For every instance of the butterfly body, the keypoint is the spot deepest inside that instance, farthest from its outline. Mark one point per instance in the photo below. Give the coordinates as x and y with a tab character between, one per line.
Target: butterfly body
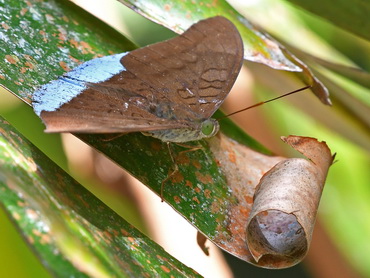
205	129
168	90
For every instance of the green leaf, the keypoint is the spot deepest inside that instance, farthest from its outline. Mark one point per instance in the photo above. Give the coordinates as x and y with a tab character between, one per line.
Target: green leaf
65	37
179	15
352	16
73	233
42	40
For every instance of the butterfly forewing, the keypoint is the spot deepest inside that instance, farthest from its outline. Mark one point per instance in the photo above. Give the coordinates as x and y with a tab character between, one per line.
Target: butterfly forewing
172	84
194	72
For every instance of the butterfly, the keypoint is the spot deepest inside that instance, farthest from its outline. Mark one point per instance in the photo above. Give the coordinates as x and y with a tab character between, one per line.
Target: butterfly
168	90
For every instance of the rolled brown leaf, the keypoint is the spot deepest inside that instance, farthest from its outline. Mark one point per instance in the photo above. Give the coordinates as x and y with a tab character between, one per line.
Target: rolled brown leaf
280	225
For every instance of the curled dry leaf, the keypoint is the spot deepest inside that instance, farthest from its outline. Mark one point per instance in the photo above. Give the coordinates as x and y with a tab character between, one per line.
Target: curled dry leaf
271	221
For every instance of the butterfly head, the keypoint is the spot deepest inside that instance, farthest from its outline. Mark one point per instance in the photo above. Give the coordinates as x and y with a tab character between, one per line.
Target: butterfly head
209	128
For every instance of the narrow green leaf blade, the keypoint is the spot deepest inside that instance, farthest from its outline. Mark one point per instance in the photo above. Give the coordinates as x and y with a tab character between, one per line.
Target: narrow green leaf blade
39	41
352	16
72	232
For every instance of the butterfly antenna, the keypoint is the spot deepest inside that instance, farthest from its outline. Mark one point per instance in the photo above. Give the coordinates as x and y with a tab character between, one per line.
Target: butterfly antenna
266	101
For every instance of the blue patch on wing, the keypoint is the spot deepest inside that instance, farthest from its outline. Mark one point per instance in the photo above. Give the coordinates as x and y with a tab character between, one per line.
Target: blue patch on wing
53	95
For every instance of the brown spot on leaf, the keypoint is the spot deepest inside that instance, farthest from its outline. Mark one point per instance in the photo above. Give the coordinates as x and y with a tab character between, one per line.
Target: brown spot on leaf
196	164
108	235
207	178
5	26
45	239
86	48
24	11
207	193
2	77
11	59
16	216
197	189
182	159
124	232
49	18
232	157
188	183
177	177
115	232
29	65
165	269
36	232
61	36
160	258
156	146
75	60
167	7
64	66
195	199
74	43
177	199
248	199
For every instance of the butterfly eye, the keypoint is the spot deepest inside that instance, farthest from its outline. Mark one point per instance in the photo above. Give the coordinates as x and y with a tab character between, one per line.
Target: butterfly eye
209	127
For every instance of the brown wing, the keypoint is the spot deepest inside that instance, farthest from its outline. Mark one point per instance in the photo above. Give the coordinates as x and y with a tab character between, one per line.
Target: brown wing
172	84
192	73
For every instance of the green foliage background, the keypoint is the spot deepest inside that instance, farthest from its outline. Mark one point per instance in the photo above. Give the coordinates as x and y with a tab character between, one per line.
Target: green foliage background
345	203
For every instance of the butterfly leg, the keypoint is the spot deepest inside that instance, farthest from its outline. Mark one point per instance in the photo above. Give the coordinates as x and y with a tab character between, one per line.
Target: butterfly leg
176	167
189	148
175	170
113	137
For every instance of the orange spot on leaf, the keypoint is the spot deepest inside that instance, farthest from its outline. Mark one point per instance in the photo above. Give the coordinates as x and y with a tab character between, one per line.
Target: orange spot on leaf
11	59
177	177
45	239
73	59
74	43
29	65
249	199
124	232
165	269
189	183
195	199
177	199
207	193
5	26
232	157
24	11
16	216
196	164
156	146
204	178
182	159
64	66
